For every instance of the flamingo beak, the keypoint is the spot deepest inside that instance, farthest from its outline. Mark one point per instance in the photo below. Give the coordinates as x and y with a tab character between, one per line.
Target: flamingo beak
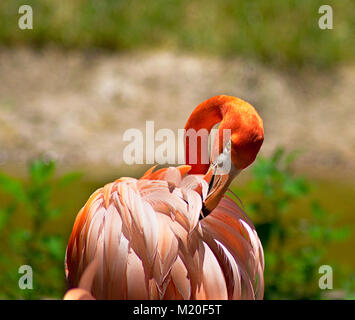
221	173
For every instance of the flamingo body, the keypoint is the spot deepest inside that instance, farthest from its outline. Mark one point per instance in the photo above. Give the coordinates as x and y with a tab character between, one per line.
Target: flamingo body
150	244
144	239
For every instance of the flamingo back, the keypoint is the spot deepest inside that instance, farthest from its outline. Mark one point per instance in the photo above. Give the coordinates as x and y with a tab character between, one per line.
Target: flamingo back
149	242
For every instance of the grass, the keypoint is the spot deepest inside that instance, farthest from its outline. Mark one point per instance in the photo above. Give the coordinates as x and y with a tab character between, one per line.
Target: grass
283	33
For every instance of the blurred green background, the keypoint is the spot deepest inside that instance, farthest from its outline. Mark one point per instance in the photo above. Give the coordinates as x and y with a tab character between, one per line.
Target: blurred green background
280	32
91	69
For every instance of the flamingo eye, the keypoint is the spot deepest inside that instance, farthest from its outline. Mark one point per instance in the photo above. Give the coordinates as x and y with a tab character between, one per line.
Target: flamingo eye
223	161
228	145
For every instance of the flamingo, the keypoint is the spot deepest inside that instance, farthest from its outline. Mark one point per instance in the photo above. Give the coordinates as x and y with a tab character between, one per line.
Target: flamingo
174	233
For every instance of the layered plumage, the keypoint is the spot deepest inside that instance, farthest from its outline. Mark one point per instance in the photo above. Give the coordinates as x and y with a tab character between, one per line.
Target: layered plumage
148	239
150	244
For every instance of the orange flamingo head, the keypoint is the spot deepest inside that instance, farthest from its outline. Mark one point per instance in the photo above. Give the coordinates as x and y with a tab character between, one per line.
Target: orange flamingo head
240	119
247	132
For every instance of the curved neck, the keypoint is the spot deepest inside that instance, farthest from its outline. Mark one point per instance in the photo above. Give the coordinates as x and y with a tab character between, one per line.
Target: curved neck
205	116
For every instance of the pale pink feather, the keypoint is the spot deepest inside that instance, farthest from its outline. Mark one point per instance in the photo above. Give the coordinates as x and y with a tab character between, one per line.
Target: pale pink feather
149	243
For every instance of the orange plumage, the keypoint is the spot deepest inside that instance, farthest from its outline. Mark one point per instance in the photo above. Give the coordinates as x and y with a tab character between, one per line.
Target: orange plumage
144	239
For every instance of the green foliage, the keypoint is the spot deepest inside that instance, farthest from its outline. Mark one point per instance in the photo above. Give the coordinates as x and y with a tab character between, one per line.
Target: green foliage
28	243
273	31
295	230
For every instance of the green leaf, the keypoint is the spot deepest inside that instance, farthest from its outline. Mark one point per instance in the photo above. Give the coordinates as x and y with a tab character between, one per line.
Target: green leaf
54	246
341	234
19	237
54	213
295	187
317	211
276	157
13	187
5	215
291	157
69	178
41	171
